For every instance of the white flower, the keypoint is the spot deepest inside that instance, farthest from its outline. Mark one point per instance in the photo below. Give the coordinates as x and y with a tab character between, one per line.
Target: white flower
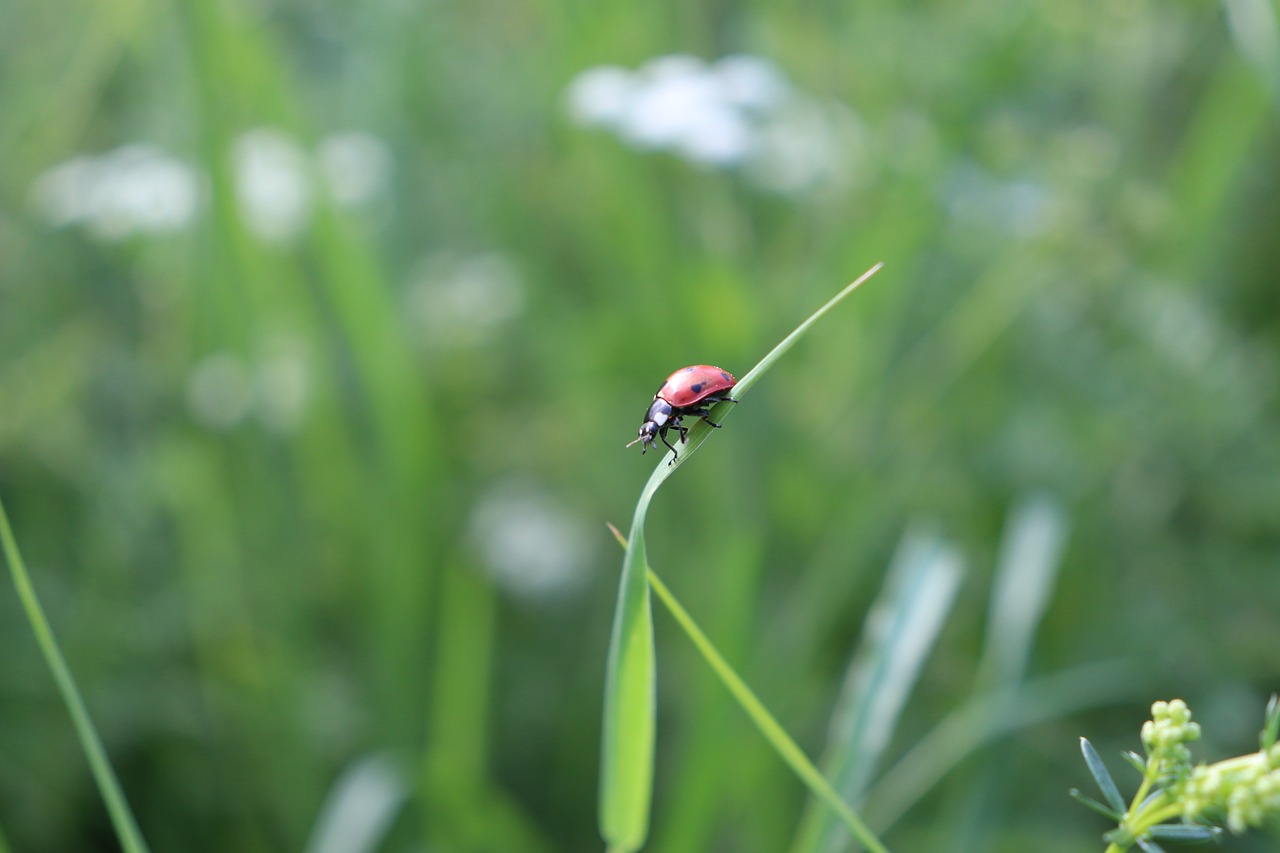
805	144
739	112
600	97
355	164
135	189
751	83
224	389
219	390
530	544
272	186
463	301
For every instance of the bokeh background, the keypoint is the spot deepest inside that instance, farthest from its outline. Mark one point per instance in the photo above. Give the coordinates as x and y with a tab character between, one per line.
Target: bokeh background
322	326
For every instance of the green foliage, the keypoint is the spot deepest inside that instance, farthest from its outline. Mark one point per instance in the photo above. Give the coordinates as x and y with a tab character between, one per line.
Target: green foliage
311	475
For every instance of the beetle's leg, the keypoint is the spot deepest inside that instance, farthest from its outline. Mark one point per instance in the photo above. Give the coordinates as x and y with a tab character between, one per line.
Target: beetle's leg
662	433
703	412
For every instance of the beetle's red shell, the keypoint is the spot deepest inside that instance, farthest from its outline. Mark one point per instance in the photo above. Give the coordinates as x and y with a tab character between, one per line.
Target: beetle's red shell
689	385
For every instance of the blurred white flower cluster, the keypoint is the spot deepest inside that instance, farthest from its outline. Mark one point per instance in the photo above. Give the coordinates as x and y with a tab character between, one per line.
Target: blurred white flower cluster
135	189
530	544
224	390
458	301
739	112
275	177
140	190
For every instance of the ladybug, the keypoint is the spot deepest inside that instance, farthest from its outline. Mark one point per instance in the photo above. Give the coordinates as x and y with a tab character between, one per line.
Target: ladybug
688	391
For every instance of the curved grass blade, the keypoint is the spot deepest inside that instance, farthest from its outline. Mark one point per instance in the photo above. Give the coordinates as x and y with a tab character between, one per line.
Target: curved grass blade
126	828
628	731
901	628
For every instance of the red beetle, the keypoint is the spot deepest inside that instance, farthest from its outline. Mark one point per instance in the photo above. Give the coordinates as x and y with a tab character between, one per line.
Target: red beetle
689	391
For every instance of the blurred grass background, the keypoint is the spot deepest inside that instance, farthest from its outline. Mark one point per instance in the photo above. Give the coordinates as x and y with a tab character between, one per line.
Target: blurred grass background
312	407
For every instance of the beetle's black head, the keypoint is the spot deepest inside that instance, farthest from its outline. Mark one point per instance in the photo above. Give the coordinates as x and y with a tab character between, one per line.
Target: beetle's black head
659	413
648	436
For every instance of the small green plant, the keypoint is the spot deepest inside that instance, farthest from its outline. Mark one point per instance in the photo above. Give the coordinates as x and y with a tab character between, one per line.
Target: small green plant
1182	802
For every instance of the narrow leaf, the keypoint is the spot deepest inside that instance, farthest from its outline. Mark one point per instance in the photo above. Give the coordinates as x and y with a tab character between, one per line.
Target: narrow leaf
1137	762
1185	832
1091	803
1149	846
1102	776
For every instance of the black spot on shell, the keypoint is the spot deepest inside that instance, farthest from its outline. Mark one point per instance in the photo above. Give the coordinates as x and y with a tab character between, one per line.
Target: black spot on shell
696	388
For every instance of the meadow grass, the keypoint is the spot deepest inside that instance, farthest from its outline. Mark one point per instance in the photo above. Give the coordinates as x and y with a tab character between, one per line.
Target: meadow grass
316	513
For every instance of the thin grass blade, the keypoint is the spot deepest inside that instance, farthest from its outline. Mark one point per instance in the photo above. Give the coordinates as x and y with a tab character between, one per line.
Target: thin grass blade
126	828
773	732
900	631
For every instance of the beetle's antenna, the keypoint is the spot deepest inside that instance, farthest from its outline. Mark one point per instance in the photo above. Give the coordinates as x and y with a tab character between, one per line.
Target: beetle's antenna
633	441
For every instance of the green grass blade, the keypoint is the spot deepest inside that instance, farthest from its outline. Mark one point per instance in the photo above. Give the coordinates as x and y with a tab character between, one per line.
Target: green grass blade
1030	557
777	737
626	756
628	730
745	383
901	629
121	817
